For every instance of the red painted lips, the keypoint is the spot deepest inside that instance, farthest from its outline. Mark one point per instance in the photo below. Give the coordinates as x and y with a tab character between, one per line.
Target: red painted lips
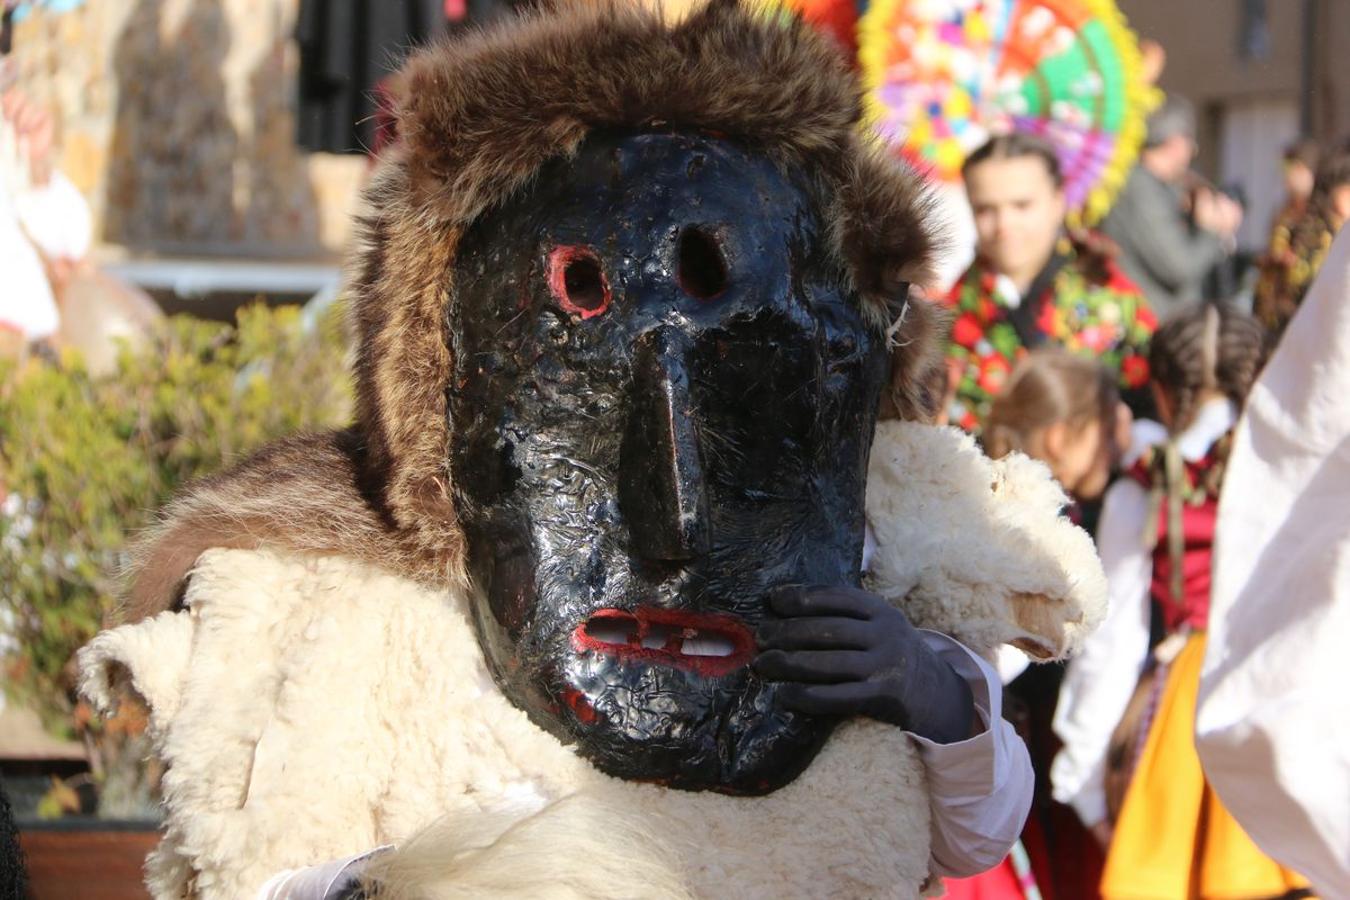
710	644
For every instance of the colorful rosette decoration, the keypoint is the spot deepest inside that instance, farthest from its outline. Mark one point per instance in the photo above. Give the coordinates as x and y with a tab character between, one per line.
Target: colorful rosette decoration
945	75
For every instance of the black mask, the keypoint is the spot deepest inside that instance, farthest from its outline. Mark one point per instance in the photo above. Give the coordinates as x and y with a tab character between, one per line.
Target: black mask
663	398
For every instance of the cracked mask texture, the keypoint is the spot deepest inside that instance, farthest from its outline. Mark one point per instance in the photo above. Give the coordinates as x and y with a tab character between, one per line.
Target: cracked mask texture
663	398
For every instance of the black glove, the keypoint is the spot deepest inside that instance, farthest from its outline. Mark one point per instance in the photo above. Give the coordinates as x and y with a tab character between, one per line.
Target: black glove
844	652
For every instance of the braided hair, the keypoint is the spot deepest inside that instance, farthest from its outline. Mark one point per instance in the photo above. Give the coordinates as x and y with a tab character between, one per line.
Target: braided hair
1211	348
1017	145
1094	251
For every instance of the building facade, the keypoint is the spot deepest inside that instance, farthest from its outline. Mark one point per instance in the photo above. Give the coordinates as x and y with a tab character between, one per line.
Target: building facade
1261	73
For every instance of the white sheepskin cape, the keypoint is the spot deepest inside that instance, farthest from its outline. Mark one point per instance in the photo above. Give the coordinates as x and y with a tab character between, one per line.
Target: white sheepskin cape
309	708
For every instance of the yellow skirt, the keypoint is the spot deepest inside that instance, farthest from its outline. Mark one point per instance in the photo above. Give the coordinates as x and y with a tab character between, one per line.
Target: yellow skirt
1174	840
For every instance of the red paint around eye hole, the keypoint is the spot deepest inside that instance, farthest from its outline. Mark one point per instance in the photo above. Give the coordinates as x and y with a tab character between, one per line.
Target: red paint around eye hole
577	281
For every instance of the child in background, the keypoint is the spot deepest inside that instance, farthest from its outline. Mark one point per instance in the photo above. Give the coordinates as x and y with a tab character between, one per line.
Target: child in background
1168	835
1065	410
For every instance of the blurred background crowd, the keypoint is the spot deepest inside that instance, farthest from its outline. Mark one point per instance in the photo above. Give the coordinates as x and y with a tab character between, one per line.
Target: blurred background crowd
176	182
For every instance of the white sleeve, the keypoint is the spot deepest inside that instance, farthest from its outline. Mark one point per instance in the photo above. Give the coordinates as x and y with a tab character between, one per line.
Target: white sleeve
56	217
1099	683
980	788
321	882
1273	723
1010	663
26	301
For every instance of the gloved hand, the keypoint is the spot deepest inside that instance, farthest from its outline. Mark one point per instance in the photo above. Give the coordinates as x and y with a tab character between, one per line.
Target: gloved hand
841	651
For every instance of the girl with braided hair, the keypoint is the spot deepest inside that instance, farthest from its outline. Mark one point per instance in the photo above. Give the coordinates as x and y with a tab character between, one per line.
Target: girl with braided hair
1129	765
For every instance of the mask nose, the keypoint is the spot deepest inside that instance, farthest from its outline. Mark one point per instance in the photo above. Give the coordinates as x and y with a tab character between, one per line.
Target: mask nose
661	487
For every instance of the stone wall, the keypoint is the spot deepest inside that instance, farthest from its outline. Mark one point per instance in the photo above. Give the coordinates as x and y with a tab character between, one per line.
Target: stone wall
177	121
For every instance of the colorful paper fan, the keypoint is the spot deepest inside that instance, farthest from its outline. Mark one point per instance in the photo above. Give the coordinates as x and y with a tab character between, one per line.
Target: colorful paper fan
944	75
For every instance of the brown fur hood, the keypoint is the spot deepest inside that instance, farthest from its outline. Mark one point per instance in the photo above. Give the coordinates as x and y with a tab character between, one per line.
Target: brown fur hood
479	116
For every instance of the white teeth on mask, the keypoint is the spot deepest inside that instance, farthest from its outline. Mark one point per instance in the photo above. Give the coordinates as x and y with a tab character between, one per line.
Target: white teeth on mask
708	645
690	641
609	631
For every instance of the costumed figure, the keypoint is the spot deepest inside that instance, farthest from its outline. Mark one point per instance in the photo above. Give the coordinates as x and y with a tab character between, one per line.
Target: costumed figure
1035	283
575	608
1129	765
1300	175
1299	247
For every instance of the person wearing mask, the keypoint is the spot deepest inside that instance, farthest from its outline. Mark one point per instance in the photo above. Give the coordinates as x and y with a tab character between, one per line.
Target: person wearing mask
1034	282
1166	248
1129	765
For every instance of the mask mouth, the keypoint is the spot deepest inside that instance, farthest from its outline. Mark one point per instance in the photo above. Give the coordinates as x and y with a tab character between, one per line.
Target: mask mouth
710	644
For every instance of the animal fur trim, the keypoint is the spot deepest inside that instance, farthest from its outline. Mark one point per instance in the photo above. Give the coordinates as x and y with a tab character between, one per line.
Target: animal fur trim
478	116
575	849
918	380
305	495
311	708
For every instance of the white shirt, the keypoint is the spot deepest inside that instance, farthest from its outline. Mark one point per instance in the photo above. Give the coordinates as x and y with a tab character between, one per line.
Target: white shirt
1098	683
26	302
980	792
1273	722
980	789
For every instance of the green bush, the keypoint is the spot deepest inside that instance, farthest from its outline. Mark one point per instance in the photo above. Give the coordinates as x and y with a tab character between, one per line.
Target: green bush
85	462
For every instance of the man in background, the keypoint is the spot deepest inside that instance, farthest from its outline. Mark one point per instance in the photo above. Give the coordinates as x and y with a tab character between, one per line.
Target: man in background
1170	237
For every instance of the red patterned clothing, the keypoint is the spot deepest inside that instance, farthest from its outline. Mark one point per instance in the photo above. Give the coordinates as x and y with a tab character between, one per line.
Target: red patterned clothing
1199	493
1087	308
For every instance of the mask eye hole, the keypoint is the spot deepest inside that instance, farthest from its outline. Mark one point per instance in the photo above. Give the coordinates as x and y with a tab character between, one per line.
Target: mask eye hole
577	281
702	269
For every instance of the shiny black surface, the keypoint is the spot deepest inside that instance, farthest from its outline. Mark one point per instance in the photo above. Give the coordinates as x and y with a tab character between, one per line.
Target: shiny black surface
663	400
